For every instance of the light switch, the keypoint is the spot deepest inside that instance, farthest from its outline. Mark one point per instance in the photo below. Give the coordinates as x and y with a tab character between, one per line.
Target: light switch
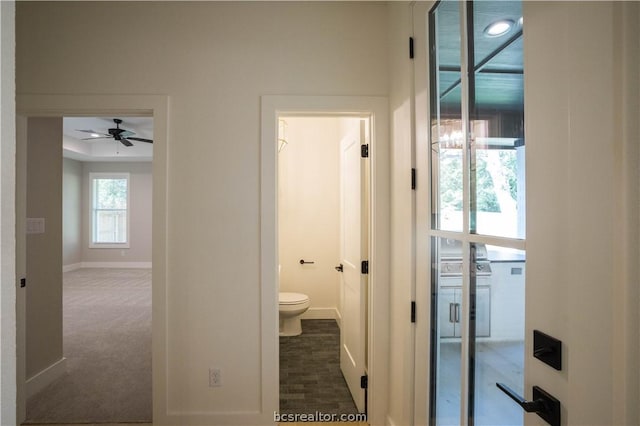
35	225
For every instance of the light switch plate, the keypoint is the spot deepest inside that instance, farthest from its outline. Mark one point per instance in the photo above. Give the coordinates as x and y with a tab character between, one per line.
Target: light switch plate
35	225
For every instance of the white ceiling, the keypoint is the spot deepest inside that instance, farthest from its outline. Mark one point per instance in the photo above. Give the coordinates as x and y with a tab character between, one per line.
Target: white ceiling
106	149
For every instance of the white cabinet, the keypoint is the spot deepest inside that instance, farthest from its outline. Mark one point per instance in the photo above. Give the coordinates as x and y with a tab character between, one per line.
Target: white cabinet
450	311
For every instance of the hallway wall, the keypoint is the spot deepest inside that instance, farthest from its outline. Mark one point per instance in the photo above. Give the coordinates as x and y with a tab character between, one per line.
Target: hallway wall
213	60
401	368
71	212
309	212
44	253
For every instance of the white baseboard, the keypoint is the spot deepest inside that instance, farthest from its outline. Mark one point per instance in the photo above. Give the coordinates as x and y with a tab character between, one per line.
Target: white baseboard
47	376
130	265
390	422
71	267
338	318
319	313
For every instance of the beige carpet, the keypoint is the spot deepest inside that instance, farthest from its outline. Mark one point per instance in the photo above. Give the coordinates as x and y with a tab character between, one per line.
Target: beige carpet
107	343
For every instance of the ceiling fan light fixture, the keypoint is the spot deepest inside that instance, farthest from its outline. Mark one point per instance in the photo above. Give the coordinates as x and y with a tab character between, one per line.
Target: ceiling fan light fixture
498	28
95	135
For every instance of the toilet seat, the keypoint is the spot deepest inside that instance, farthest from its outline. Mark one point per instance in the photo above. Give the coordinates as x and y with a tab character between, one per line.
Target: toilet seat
292	298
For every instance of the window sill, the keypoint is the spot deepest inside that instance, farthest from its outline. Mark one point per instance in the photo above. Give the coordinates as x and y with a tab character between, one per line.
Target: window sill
109	245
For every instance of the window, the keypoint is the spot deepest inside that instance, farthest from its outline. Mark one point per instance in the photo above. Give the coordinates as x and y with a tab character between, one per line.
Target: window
109	210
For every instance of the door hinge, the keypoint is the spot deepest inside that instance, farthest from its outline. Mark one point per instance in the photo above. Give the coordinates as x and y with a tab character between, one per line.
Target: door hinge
364	267
410	47
23	282
413	311
364	382
364	151
413	178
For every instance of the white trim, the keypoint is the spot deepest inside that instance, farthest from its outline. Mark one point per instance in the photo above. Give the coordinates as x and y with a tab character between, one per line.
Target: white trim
378	351
422	357
92	220
44	378
320	313
8	305
390	421
123	265
157	106
71	267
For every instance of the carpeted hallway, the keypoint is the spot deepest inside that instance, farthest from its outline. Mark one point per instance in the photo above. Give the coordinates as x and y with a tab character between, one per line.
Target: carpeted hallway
107	343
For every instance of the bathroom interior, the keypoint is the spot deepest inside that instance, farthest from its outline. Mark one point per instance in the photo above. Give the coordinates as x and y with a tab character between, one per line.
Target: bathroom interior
310	307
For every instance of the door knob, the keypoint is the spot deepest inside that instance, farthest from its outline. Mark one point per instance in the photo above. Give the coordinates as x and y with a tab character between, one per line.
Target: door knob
543	404
339	268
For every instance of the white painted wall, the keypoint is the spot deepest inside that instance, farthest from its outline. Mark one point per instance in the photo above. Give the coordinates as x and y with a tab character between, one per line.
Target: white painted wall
7	215
77	219
71	212
44	253
140	219
214	60
309	211
402	258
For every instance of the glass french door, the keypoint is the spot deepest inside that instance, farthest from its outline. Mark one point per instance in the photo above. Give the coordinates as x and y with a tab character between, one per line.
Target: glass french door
477	232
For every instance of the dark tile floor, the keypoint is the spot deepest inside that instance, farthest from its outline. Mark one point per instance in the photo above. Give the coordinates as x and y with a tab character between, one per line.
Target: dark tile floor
310	376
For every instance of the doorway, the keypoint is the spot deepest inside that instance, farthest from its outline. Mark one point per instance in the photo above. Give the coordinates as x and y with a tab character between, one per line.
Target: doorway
274	107
322	238
101	308
56	107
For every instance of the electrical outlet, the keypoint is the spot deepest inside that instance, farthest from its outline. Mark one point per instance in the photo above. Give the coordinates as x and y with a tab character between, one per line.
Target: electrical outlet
215	378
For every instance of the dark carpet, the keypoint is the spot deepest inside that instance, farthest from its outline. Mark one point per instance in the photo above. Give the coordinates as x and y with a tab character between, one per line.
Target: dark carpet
310	376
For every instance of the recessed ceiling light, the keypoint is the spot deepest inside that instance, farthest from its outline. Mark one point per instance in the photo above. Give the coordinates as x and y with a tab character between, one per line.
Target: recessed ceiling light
498	28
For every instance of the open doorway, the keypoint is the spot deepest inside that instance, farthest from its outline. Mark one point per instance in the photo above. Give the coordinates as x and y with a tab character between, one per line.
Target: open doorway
98	368
322	240
377	338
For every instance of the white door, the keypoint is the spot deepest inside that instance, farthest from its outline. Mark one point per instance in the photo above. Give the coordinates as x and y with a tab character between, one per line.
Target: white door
353	250
581	213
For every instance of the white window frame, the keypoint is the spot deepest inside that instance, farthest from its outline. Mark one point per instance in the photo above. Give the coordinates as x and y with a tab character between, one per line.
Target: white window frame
92	178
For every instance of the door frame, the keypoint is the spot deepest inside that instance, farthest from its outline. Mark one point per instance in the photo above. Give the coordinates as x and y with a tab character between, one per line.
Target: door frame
156	106
379	229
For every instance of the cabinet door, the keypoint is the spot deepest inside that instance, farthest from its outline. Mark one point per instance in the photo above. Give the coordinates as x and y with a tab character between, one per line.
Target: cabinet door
446	312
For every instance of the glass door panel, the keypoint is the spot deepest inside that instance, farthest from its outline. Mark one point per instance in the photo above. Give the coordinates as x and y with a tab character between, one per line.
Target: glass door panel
446	118
496	111
477	173
446	343
497	352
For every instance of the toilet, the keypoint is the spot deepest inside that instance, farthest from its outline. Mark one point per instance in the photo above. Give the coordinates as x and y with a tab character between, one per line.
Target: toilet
291	306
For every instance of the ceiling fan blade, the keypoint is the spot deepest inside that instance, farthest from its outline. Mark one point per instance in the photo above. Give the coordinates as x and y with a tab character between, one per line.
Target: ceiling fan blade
99	137
141	140
126	142
94	132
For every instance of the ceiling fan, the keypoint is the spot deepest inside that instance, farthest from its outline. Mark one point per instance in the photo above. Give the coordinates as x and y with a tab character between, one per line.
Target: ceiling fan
123	136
